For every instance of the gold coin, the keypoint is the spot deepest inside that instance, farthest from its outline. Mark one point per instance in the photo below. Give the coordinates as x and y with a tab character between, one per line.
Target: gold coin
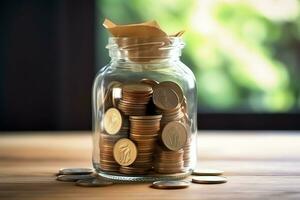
170	184
125	152
165	98
207	172
175	87
209	179
112	121
174	135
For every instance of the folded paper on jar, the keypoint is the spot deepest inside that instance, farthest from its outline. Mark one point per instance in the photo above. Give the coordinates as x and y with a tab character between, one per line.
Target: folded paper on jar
146	29
141	42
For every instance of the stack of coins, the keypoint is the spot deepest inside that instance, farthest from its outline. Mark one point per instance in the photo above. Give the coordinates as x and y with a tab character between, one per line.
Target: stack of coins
107	142
169	162
144	132
131	170
125	127
187	152
125	153
170	157
169	116
146	127
116	127
135	98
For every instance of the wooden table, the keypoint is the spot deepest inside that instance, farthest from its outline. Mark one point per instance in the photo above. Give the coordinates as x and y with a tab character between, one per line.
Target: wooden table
259	165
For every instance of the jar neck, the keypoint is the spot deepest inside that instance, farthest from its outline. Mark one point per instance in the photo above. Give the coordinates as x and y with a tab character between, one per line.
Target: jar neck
145	50
126	60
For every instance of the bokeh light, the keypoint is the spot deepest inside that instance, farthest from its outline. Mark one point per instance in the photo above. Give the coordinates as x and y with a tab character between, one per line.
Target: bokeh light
244	53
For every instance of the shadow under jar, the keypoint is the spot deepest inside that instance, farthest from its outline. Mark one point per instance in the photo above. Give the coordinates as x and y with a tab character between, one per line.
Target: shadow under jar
144	112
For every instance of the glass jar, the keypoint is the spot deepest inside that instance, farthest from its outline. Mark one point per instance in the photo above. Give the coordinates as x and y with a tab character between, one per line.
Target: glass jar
144	112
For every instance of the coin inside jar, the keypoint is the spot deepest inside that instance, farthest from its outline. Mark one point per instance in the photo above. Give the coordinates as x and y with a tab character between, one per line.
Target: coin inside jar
174	135
125	152
112	121
153	137
150	82
165	98
175	87
170	184
137	88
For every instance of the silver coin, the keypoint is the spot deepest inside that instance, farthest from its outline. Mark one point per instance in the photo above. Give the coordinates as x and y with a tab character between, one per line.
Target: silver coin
209	179
75	171
95	182
74	178
170	184
207	172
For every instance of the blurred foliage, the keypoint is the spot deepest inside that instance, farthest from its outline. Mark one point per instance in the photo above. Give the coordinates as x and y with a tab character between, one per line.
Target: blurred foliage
245	54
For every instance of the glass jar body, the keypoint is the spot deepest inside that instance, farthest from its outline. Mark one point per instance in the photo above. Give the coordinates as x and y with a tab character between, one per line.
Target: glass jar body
108	93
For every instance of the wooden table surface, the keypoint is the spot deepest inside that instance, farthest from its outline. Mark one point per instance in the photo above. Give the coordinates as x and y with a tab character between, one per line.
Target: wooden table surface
258	165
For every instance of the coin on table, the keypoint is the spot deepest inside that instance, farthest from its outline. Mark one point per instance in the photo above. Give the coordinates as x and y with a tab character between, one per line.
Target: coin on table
125	152
73	178
174	135
175	87
112	121
95	182
209	179
165	98
170	184
75	171
207	172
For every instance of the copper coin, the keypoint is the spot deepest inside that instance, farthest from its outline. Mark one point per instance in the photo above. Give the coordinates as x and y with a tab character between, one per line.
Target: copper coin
154	117
175	87
165	98
174	135
150	82
137	88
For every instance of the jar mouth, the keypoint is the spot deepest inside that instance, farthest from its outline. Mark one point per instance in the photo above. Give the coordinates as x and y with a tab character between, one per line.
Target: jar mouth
135	48
134	42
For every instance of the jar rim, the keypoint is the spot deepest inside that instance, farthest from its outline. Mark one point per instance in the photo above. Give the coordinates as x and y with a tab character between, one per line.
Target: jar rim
168	42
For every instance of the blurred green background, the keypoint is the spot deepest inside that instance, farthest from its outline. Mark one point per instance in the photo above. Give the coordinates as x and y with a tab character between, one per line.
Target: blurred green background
245	54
